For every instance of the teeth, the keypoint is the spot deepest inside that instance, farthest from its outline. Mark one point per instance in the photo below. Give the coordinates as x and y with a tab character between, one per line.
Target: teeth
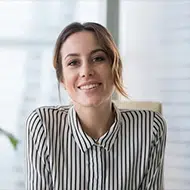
90	86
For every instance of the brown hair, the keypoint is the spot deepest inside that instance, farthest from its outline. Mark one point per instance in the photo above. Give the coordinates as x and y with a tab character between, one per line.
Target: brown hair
106	42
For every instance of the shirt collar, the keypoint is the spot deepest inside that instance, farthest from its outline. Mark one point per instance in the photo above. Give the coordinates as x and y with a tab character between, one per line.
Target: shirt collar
84	141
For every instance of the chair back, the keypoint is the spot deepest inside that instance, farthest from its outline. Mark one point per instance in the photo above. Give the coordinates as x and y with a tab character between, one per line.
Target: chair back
139	105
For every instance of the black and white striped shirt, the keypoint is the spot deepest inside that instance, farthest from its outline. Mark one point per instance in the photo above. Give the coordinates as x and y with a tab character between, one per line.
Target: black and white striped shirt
60	156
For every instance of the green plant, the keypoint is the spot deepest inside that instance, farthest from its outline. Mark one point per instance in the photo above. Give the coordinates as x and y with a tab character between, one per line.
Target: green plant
13	140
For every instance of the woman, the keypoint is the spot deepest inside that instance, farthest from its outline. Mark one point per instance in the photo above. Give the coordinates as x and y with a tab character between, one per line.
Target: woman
93	144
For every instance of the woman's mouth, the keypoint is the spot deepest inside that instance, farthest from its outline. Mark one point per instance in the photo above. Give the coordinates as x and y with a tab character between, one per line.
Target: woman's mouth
89	86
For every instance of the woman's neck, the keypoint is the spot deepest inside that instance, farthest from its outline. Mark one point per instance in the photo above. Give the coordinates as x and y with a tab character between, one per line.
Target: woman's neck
95	121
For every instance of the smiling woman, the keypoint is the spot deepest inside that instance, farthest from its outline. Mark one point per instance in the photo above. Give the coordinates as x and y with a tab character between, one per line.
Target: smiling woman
100	38
93	144
88	79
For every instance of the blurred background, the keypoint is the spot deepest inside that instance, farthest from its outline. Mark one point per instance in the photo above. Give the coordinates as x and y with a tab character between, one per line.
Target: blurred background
154	41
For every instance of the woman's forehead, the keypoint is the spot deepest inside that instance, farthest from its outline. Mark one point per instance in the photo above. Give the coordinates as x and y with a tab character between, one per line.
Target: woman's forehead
80	42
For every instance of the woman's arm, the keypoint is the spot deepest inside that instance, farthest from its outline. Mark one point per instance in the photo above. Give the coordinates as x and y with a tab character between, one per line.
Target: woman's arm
38	172
154	175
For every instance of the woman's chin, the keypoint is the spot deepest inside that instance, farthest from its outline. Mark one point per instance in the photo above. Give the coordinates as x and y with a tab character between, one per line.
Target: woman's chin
92	102
89	102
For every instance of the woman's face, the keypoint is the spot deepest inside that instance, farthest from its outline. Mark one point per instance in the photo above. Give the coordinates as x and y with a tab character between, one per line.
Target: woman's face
87	75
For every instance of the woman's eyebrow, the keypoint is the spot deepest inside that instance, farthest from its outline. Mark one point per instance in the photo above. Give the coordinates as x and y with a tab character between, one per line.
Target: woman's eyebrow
72	55
77	54
96	50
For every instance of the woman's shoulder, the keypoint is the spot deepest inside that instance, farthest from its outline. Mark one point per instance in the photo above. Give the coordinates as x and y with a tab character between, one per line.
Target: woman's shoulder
145	115
137	113
48	112
46	118
61	109
155	120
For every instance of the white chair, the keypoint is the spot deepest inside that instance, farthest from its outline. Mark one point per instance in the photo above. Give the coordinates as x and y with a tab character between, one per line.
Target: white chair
145	105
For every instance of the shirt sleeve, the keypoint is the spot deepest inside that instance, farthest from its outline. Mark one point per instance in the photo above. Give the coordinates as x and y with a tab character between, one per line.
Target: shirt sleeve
37	174
154	175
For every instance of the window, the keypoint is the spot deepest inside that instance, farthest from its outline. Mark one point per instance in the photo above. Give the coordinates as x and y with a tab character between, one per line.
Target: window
155	47
27	78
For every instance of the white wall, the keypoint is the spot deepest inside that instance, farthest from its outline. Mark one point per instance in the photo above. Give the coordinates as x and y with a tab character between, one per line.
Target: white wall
155	46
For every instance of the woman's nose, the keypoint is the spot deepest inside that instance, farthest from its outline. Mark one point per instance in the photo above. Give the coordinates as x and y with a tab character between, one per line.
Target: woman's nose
86	69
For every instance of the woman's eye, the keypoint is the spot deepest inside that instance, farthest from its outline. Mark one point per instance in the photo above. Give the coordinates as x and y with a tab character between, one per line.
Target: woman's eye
98	59
72	63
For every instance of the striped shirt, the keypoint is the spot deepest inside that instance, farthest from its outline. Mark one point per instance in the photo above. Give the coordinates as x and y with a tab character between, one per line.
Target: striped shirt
61	156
